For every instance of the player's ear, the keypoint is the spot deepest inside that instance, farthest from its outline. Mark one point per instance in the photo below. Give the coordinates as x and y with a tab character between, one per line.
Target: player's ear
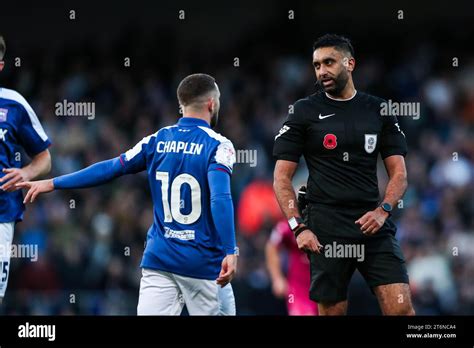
2	65
210	105
349	63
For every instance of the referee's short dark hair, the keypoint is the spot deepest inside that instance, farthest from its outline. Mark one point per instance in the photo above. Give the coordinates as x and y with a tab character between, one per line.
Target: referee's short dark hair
3	47
194	87
341	43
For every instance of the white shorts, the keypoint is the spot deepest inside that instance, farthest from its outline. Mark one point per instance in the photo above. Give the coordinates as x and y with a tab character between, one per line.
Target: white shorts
164	293
6	240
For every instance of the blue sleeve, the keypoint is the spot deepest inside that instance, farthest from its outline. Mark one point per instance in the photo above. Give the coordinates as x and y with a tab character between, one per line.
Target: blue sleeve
222	208
223	156
30	132
134	160
96	174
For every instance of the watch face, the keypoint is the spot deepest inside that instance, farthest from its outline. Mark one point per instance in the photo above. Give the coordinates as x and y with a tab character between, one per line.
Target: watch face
387	207
293	223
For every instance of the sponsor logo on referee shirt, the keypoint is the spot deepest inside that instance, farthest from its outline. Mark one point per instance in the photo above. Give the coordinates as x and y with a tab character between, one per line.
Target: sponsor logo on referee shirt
322	117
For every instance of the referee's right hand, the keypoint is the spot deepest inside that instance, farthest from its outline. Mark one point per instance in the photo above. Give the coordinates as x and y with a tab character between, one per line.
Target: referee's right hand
307	241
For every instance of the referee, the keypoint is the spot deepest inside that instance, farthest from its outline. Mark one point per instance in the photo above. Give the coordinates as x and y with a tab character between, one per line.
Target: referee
340	132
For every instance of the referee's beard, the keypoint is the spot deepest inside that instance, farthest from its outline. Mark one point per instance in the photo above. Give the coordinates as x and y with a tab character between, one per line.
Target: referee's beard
340	82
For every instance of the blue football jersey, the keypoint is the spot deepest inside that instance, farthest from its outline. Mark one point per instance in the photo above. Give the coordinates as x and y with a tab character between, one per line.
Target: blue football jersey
19	128
183	238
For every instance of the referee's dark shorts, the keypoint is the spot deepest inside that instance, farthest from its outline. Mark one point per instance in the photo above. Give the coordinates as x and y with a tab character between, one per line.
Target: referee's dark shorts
381	263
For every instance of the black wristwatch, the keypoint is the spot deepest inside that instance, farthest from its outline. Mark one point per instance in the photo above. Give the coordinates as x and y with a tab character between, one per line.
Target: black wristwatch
387	207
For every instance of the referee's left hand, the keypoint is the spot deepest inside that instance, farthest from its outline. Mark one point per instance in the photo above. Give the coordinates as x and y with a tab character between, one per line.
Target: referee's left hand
308	242
372	221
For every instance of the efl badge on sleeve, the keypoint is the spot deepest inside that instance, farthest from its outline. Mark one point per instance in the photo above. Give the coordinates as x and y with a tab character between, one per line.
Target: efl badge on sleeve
370	142
3	115
330	141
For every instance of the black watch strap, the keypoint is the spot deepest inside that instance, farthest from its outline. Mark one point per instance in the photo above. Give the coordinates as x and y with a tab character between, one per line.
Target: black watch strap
387	207
299	230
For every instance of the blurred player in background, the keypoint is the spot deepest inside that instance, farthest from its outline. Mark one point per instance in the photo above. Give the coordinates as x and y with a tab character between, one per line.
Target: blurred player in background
295	286
190	255
19	129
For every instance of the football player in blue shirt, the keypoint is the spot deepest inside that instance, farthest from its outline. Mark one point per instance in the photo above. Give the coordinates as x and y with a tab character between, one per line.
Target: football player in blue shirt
190	255
19	128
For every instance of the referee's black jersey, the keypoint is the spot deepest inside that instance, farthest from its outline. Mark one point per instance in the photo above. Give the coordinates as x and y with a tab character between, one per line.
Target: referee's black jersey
340	141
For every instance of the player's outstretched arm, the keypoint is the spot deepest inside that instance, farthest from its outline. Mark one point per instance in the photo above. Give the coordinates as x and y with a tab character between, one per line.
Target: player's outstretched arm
40	165
94	175
35	188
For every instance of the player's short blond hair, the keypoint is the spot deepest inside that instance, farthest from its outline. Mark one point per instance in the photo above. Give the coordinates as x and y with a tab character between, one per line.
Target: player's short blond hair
3	47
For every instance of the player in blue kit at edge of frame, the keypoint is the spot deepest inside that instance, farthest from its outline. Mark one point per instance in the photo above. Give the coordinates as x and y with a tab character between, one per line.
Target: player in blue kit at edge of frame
20	128
190	255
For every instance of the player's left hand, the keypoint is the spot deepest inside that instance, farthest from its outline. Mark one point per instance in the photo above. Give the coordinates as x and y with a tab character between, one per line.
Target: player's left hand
229	267
13	176
372	221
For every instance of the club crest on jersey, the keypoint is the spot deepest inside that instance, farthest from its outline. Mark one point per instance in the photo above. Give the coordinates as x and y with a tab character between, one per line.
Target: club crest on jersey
370	142
3	115
330	141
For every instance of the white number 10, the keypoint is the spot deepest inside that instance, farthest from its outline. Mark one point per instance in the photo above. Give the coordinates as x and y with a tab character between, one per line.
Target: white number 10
175	211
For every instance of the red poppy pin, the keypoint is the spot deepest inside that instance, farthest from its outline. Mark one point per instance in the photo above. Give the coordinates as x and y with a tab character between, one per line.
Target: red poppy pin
330	141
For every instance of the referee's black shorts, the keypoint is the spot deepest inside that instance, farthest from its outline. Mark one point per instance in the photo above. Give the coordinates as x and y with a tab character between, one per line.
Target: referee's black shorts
345	248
